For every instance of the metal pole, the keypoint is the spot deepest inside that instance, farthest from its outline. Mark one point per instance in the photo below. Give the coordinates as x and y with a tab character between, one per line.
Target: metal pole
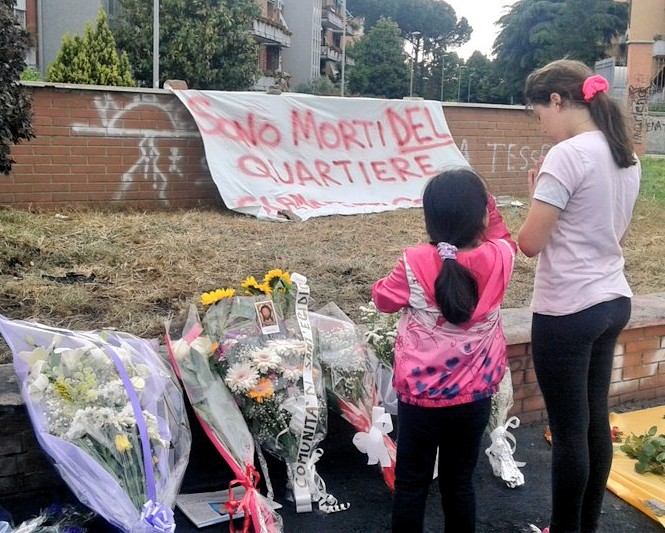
443	65
411	82
343	46
459	81
468	90
155	44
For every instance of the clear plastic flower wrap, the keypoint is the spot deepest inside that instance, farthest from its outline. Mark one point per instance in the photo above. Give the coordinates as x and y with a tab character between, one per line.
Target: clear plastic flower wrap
264	353
108	411
349	373
222	422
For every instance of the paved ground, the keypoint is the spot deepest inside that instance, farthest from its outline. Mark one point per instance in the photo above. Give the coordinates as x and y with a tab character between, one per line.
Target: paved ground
343	468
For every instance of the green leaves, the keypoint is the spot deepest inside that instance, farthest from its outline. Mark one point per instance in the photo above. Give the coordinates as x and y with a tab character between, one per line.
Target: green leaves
648	450
15	114
207	43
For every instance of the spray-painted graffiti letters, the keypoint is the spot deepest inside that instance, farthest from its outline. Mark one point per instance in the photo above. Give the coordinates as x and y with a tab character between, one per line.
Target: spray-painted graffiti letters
151	164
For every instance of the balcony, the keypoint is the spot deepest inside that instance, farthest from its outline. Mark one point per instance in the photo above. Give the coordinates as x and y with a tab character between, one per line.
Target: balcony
331	53
269	32
330	20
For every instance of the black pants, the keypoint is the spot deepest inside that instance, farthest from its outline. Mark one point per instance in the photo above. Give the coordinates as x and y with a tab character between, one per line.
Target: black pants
457	431
572	356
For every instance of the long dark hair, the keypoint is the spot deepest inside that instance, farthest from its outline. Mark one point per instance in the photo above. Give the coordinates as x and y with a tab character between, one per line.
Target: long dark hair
567	77
455	204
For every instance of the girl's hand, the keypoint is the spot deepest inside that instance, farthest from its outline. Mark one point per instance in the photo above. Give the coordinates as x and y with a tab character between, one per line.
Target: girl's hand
532	175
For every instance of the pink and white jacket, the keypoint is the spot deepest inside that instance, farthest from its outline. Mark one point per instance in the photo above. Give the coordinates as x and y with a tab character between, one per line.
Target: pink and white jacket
438	364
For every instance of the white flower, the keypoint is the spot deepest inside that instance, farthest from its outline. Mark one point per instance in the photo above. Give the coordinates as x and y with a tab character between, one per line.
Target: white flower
241	377
202	345
265	360
138	383
38	386
180	349
291	373
71	359
38	354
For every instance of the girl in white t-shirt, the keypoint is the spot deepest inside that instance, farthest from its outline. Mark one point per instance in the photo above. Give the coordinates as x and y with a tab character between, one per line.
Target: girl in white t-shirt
583	192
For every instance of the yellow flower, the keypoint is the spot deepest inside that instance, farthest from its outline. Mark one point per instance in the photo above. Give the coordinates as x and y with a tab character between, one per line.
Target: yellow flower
252	286
209	298
122	443
262	390
63	389
278	280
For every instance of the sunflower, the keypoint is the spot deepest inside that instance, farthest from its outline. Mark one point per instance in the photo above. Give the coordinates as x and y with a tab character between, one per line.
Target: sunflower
278	280
252	286
209	298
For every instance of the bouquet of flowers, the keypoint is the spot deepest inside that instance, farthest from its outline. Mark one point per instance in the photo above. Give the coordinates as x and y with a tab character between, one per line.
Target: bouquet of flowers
348	369
381	332
264	354
108	411
222	421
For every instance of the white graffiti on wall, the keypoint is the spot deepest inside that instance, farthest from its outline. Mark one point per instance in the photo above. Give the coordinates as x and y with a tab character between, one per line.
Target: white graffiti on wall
509	156
150	165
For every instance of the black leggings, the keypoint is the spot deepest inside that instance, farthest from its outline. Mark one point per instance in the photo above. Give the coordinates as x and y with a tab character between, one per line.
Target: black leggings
572	355
457	431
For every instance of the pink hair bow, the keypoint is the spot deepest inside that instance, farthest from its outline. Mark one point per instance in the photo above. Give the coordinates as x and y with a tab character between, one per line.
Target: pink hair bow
594	84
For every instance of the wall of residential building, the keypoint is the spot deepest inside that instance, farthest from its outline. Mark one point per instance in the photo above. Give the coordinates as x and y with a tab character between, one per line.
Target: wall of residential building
647	21
302	59
141	148
59	17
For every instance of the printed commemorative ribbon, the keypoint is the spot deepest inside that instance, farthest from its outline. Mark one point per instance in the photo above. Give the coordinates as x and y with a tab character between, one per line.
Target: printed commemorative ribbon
301	490
159	517
372	442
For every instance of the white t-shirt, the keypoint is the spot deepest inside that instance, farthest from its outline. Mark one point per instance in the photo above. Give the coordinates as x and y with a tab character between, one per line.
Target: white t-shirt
582	263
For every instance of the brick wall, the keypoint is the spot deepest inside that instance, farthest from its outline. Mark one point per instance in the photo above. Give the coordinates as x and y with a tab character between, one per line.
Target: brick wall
101	146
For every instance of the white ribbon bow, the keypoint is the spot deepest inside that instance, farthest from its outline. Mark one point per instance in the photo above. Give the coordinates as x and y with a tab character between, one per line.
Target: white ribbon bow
372	442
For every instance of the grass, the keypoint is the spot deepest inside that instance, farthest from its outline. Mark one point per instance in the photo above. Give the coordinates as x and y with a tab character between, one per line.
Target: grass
85	269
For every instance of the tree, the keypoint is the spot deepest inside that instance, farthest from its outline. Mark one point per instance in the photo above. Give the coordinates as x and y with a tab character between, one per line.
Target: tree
534	32
91	59
15	113
207	43
430	26
380	62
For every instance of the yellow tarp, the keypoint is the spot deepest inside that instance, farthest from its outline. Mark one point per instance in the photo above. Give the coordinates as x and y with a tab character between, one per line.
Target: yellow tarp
643	491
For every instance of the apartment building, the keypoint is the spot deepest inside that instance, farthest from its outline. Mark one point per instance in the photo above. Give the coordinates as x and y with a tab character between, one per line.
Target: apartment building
273	36
320	28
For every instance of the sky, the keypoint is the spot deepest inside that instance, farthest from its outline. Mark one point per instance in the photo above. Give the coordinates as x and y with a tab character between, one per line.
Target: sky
481	14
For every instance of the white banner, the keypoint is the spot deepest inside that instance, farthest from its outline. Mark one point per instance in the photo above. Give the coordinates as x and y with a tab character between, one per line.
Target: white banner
299	156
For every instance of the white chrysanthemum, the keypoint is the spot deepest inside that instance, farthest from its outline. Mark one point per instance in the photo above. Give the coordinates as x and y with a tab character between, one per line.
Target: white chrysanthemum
38	354
265	360
291	373
241	377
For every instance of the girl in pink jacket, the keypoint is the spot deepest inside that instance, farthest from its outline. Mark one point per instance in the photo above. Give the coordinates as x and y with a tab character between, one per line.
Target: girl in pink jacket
450	351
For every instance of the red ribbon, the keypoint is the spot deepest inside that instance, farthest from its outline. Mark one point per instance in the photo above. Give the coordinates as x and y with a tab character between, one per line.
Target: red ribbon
251	482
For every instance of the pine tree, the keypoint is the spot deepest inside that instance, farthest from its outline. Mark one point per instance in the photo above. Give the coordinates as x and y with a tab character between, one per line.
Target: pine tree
92	59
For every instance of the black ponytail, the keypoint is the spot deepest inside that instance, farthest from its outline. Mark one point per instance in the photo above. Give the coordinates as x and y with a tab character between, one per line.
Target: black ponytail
455	204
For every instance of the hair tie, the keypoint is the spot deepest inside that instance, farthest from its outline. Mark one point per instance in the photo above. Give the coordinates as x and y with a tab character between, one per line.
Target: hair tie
593	85
446	251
